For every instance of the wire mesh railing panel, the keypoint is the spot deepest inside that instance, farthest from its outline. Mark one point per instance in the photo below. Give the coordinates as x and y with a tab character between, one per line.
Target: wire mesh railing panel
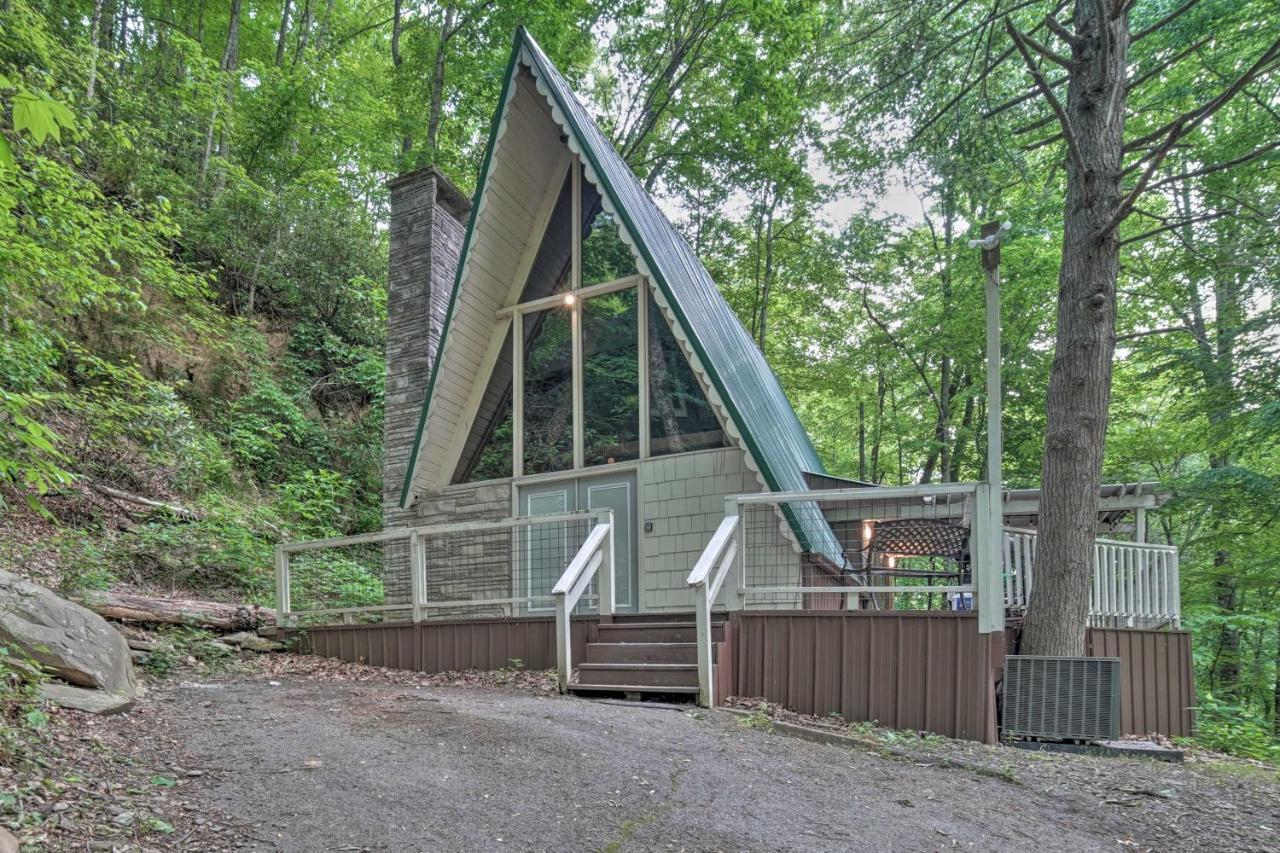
886	549
349	582
505	571
472	570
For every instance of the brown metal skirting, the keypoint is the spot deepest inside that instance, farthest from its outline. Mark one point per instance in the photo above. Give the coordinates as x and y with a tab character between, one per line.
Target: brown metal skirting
1157	678
446	646
927	671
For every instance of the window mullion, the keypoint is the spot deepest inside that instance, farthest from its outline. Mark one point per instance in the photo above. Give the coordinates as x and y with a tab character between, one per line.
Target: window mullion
642	353
517	394
575	284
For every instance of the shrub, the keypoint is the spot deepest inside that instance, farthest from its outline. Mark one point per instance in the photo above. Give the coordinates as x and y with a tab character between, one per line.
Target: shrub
1235	730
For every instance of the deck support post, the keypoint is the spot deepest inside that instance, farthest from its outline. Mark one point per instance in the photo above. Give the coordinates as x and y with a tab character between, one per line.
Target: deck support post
564	643
283	593
702	616
417	576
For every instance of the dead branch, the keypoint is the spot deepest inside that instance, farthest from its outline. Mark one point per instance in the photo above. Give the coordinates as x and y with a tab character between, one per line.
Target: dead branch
127	497
1068	133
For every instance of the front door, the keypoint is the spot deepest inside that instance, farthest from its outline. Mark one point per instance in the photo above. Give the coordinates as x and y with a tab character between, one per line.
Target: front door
547	559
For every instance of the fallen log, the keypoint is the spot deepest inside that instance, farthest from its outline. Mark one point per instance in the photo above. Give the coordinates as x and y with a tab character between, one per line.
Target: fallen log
138	500
130	607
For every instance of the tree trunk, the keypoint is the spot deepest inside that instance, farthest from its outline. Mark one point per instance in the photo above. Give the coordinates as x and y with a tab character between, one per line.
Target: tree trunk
1225	675
397	29
862	441
1080	379
94	31
437	80
128	607
1275	689
230	58
879	431
304	32
283	36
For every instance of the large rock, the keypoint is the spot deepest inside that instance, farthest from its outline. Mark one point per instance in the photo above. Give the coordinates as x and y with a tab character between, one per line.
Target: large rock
75	643
84	699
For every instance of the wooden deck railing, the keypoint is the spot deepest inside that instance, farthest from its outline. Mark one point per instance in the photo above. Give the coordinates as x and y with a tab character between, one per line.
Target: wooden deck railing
1135	584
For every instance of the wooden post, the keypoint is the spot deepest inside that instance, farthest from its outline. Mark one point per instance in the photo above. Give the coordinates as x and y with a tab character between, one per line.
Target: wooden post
417	576
605	585
988	520
575	313
283	593
702	610
991	232
564	643
984	550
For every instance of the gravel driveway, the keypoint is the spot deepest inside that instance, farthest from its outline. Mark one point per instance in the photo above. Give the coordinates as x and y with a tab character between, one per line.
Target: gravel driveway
309	766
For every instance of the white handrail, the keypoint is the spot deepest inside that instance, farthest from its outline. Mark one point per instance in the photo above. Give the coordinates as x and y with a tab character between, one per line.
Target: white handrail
595	557
706	578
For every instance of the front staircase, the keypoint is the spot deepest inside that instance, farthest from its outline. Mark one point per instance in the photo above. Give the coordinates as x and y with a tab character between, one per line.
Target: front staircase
642	656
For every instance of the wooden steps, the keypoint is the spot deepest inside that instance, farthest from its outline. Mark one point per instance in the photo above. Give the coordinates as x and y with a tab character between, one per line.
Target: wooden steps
647	656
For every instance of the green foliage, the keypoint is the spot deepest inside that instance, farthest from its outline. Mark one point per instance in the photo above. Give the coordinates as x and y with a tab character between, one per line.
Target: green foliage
177	647
20	714
1235	730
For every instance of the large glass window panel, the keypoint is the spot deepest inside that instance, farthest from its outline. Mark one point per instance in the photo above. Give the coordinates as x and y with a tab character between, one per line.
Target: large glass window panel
611	378
604	256
680	418
548	391
486	455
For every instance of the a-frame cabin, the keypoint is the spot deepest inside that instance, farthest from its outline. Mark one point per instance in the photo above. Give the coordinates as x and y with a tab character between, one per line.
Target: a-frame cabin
633	386
588	465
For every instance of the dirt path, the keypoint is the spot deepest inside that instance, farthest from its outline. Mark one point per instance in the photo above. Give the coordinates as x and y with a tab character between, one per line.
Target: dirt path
310	766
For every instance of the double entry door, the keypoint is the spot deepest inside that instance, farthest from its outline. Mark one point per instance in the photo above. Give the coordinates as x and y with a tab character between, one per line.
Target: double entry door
551	546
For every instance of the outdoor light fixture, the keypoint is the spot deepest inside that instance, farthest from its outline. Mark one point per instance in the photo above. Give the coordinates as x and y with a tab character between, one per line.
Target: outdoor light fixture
569	299
990	241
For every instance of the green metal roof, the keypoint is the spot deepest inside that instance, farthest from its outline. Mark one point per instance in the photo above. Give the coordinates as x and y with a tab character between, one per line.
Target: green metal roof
748	387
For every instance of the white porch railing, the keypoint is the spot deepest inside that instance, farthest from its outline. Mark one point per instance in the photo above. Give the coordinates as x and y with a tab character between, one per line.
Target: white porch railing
593	560
1134	583
480	569
847	549
708	575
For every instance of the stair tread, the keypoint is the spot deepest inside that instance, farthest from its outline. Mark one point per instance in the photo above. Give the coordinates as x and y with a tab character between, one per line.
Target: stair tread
638	666
631	688
657	644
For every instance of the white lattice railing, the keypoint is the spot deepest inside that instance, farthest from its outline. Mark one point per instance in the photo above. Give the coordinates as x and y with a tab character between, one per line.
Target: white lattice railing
1134	583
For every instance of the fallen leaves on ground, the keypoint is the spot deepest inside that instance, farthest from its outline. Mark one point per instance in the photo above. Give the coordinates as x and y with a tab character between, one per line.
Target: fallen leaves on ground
84	784
328	669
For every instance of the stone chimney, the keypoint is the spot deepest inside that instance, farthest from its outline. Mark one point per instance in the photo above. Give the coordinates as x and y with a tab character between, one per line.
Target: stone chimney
428	221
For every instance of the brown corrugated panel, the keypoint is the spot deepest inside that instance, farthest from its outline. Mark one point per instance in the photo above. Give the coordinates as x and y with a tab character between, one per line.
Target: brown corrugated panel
922	671
1157	682
447	645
